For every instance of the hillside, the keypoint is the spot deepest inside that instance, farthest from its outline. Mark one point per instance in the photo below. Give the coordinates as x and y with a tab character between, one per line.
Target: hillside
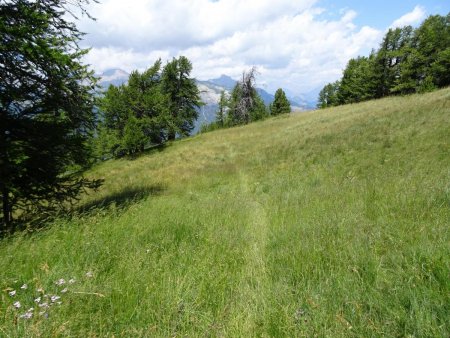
328	223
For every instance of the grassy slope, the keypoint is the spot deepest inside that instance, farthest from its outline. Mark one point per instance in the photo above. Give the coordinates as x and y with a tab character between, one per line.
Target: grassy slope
331	223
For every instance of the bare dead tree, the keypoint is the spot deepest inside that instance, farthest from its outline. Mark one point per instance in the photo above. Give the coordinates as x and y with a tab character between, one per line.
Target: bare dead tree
246	102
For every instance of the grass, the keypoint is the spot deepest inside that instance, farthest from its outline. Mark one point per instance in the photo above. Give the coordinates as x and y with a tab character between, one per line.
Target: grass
332	223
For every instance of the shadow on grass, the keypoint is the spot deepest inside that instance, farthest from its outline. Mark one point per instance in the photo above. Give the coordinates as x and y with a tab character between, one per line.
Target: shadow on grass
148	151
117	202
120	200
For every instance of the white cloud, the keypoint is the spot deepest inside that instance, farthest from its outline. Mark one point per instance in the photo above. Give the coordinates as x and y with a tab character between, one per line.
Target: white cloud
412	18
290	42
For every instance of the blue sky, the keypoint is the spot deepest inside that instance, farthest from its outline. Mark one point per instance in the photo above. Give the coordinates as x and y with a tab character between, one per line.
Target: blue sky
380	14
298	45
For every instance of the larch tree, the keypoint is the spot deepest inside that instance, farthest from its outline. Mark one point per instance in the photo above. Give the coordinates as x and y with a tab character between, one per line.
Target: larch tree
46	107
182	97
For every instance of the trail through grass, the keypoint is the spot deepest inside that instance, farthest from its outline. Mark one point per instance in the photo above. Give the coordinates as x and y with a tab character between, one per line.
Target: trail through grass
332	223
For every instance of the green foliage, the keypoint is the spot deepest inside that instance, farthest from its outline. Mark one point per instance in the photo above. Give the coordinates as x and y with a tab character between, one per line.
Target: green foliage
407	61
440	68
356	84
281	104
207	127
133	114
46	108
328	96
153	107
221	113
183	97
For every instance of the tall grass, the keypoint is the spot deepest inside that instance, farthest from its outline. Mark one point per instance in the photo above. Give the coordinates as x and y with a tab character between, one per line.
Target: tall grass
330	223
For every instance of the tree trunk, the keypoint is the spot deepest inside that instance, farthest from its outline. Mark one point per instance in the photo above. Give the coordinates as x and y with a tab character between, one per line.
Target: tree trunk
7	215
171	135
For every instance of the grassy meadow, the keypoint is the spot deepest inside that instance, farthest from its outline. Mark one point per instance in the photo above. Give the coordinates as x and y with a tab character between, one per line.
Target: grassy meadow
331	223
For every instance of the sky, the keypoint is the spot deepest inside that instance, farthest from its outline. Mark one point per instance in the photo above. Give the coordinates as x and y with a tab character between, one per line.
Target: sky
297	45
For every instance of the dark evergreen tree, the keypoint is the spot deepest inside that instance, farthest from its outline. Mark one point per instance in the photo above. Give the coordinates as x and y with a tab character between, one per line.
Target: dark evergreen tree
183	97
357	82
46	107
133	114
388	59
222	110
432	42
280	104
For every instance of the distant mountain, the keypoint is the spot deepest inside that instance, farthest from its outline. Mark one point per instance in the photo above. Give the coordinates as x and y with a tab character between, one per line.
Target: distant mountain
210	91
113	76
223	81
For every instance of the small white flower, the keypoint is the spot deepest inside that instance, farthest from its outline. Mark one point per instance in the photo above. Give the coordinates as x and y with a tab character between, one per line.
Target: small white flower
31	309
37	300
54	298
89	274
12	293
59	303
24	287
64	290
26	315
60	282
17	305
72	281
44	305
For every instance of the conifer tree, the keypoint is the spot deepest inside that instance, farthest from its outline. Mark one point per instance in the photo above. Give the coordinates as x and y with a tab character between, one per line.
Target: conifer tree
183	97
133	114
281	104
46	107
328	95
221	110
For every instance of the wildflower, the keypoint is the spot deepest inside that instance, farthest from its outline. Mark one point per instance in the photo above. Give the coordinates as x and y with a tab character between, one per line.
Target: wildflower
89	274
60	282
31	309
37	300
72	281
24	287
64	290
26	315
299	314
54	298
12	293
17	305
44	305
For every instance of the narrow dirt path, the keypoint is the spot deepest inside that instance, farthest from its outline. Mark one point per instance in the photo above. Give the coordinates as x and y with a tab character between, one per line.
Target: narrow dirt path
254	285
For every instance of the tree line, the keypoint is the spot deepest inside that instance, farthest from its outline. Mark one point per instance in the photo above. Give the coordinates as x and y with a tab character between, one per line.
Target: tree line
153	107
407	61
244	105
